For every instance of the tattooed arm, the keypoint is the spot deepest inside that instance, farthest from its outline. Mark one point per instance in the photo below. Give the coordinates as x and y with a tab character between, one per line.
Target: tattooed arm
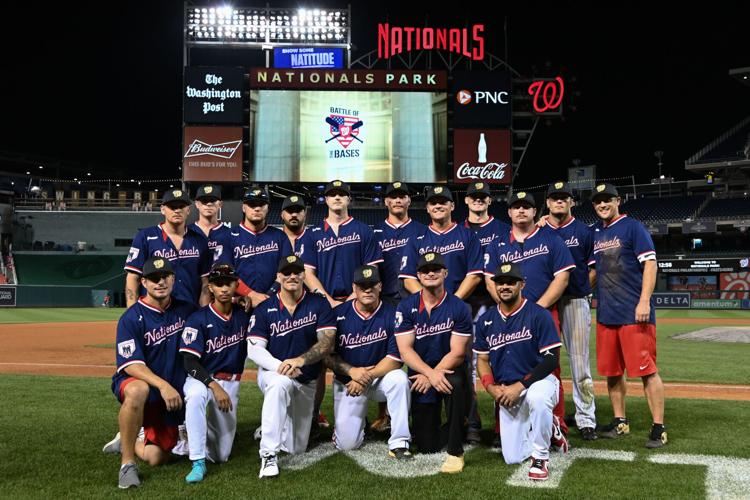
317	352
132	284
360	374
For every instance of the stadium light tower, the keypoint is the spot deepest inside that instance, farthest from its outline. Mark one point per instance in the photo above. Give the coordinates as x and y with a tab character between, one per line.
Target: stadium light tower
659	155
266	28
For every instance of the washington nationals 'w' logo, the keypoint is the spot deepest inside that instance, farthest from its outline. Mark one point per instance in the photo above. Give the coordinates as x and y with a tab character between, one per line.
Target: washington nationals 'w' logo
547	94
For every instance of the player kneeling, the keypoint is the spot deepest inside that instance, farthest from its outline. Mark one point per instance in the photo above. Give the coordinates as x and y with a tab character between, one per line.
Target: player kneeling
213	349
517	349
367	365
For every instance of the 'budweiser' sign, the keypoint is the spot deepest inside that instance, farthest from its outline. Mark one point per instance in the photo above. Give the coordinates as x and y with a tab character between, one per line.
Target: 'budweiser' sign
482	155
223	150
488	172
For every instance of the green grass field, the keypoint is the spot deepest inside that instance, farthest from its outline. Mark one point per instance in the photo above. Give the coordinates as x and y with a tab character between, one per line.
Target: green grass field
53	430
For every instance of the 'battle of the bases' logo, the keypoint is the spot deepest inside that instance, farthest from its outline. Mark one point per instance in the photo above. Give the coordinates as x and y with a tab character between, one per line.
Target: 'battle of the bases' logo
189	334
344	129
126	348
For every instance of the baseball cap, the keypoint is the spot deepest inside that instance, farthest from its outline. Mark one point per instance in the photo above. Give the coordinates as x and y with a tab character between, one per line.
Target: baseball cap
175	196
291	263
208	191
522	196
395	188
157	265
431	259
604	189
219	271
478	188
338	185
438	192
293	201
559	187
255	195
509	270
366	276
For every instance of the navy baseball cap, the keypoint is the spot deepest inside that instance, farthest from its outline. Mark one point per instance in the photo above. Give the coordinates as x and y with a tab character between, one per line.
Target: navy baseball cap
478	188
438	192
604	189
559	187
222	271
255	195
292	202
509	270
396	188
431	259
291	263
208	191
157	265
366	276
338	185
175	196
521	197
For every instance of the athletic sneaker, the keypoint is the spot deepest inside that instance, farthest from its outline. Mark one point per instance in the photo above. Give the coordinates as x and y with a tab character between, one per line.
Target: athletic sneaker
452	464
589	434
559	441
381	424
268	466
657	437
198	473
129	476
473	436
538	470
323	421
400	454
113	446
616	428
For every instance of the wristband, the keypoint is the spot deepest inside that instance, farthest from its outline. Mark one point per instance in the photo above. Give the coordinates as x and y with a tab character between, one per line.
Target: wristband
487	380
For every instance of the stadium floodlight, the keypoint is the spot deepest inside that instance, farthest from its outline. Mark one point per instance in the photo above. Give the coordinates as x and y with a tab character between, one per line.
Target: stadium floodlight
224	24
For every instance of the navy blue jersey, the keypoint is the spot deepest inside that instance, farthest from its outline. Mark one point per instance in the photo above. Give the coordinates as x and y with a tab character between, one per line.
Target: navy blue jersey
337	256
216	235
459	247
432	332
392	241
150	336
620	249
291	335
218	340
303	244
543	255
255	256
578	237
488	230
365	341
190	263
516	342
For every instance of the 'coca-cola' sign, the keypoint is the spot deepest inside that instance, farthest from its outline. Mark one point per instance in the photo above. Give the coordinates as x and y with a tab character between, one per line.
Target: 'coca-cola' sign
212	154
482	154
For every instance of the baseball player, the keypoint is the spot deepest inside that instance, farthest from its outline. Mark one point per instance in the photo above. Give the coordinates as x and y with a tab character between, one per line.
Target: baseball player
149	377
208	203
367	365
573	307
185	248
255	248
213	348
625	321
433	327
518	348
458	245
393	234
478	199
293	214
288	336
546	264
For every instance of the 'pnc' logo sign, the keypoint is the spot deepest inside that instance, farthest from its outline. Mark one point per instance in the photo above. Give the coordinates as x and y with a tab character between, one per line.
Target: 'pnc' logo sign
482	97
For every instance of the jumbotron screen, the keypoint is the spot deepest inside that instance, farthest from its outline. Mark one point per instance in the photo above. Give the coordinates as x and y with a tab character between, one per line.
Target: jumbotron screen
357	136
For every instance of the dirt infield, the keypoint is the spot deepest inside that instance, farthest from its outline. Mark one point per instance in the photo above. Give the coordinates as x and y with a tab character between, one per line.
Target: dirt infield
69	349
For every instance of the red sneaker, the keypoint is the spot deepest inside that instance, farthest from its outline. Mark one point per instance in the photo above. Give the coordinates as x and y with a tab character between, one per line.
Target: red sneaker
323	421
538	470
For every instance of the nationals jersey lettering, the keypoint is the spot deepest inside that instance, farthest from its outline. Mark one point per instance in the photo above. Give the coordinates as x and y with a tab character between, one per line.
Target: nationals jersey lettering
393	241
542	255
218	340
326	244
190	262
158	335
620	250
579	238
291	335
216	235
488	230
516	343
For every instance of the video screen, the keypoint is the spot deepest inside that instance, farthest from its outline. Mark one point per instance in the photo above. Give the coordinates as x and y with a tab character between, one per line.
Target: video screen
700	287
356	136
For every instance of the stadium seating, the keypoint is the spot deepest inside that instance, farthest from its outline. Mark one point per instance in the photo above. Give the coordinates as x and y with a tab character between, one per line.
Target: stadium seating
723	209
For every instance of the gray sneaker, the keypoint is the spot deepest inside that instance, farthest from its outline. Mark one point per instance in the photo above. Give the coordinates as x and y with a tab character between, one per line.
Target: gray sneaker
129	476
113	446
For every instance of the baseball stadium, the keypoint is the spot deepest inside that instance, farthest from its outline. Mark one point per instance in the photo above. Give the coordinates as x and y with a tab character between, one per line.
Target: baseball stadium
431	275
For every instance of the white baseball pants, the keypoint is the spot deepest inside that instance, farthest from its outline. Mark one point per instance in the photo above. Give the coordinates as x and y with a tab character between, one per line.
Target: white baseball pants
575	323
210	430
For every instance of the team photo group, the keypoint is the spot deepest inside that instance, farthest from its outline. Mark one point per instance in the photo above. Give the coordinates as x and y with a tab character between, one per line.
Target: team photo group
406	315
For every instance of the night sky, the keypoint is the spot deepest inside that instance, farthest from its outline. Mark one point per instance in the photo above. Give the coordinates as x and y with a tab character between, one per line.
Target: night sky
85	84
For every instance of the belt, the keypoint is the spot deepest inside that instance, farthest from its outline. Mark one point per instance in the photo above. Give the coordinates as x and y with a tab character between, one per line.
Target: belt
230	377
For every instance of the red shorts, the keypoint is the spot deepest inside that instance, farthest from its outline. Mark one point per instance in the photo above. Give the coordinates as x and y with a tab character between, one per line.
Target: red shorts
155	429
626	346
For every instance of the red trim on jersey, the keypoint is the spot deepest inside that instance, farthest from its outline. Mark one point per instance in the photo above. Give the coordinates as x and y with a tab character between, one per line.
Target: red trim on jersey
243	226
513	237
362	314
164	234
619	217
568	268
219	314
346	221
466	222
551	346
191	351
570	221
450	228
154	308
421	300
514	311
281	303
392	226
134	269
134	362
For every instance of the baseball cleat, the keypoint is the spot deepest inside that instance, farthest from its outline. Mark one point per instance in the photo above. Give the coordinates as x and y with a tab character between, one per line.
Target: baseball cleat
452	464
198	473
113	446
589	434
268	466
559	441
381	424
400	454
618	427
538	470
657	437
473	437
323	421
129	476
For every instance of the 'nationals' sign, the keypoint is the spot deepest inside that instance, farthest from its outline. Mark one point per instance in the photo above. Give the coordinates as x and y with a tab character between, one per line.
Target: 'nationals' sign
394	40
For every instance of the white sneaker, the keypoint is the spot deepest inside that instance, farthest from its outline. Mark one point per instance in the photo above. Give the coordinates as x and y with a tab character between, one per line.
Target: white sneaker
113	446
257	434
268	466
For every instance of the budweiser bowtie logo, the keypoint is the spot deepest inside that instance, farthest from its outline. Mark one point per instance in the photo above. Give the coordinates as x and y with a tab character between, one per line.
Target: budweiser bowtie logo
222	150
488	171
